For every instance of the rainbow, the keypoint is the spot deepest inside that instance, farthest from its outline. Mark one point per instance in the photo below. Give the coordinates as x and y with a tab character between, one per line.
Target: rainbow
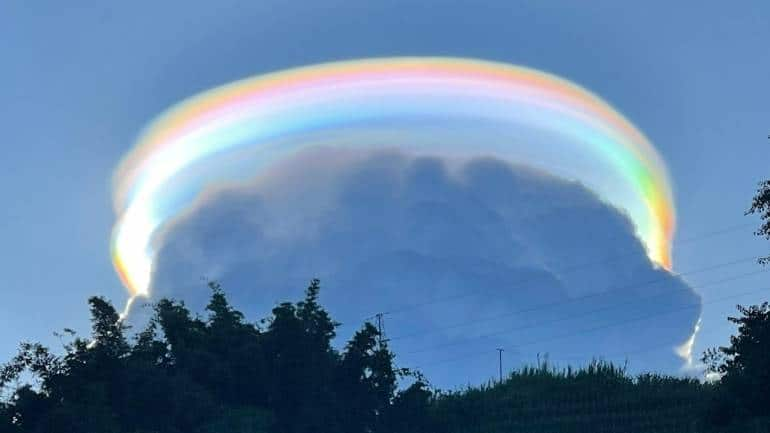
231	134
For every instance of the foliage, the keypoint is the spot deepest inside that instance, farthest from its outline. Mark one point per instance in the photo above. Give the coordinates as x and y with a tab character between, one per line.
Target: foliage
187	374
599	397
761	205
220	373
744	365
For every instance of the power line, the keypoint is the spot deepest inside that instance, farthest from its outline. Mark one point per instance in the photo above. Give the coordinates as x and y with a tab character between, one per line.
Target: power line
593	295
568	270
694	238
619	354
713	233
607	326
568	301
701	236
564	319
687	240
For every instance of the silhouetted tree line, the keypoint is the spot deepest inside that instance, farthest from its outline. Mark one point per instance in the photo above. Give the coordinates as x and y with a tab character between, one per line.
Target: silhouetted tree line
222	374
218	374
186	374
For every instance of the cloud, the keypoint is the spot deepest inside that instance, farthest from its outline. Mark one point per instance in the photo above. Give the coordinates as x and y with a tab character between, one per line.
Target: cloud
484	254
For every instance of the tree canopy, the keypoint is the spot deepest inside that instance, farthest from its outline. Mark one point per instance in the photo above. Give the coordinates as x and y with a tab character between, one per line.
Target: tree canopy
761	205
184	373
218	372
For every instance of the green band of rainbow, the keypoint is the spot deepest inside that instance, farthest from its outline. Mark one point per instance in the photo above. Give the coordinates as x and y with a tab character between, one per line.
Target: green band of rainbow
231	133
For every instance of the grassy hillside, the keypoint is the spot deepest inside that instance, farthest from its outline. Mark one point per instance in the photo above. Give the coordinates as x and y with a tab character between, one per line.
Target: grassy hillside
600	397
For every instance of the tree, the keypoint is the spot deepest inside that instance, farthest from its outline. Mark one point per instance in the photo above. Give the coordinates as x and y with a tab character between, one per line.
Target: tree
302	364
744	365
185	373
6	419
76	391
410	411
108	331
367	378
761	205
240	420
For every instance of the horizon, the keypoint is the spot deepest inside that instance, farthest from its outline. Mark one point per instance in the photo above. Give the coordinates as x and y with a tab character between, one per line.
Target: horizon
83	85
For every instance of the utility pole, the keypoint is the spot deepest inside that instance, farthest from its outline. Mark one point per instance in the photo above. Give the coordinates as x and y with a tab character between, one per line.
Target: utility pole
500	362
380	329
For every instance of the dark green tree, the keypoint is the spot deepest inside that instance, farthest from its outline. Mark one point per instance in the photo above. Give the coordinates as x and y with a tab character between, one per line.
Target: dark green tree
236	354
411	410
184	373
744	365
301	365
7	413
761	206
368	378
75	392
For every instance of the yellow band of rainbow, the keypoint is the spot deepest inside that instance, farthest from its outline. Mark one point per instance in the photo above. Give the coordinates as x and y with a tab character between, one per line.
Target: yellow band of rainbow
426	103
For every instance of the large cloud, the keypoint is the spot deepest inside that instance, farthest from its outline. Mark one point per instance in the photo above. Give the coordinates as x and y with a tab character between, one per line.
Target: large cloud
542	264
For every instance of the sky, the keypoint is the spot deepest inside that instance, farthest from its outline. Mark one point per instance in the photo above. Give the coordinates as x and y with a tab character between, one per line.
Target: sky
80	81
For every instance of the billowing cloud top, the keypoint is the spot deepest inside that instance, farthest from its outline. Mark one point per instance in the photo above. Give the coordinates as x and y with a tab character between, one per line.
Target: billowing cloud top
424	104
490	254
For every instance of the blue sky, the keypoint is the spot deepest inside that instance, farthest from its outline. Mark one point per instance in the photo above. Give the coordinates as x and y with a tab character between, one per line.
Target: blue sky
80	80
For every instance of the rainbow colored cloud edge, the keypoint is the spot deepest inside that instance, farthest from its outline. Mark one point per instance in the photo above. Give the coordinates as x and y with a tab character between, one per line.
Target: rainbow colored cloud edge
230	134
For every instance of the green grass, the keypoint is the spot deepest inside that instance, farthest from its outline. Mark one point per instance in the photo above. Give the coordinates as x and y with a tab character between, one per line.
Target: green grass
600	397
